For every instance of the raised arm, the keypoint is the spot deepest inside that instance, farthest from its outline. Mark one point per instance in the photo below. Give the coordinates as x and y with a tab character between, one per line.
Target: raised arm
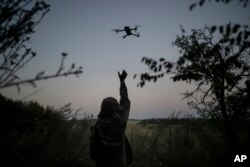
124	101
123	88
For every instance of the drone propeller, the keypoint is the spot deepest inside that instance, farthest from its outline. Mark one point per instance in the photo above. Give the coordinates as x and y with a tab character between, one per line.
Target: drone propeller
137	26
115	30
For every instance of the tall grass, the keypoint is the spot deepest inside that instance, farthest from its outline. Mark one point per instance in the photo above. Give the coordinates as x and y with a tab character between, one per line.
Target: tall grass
32	135
176	142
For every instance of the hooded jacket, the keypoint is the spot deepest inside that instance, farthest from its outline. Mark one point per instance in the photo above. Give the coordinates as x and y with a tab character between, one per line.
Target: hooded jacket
109	130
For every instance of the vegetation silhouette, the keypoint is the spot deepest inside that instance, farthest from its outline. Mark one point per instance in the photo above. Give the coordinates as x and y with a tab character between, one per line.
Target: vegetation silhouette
215	58
202	2
38	136
18	19
32	135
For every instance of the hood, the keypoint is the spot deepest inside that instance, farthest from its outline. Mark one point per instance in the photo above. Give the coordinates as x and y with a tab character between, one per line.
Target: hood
109	106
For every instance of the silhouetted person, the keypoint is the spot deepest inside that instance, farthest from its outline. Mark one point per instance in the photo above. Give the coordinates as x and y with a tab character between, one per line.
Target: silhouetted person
108	145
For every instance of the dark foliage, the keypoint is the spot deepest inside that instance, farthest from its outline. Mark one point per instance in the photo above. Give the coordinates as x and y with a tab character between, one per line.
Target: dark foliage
34	136
18	19
217	60
229	28
219	68
202	2
201	56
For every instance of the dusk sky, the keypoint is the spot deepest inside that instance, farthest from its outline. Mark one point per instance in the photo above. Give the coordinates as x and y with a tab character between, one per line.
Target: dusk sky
82	28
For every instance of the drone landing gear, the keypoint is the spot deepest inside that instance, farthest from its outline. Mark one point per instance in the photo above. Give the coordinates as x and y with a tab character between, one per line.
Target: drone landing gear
125	36
137	35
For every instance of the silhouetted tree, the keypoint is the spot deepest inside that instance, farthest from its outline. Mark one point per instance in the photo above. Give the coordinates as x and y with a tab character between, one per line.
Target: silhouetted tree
219	68
17	21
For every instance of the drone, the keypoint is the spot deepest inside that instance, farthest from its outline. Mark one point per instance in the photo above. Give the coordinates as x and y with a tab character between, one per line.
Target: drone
128	31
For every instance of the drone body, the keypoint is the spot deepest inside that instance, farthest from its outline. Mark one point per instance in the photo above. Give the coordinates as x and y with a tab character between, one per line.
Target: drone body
128	31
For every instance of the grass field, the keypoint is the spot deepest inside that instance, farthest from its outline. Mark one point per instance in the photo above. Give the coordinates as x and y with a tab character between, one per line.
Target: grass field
171	142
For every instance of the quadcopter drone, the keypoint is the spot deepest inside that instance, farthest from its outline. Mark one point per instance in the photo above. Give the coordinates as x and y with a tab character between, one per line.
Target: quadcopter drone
128	31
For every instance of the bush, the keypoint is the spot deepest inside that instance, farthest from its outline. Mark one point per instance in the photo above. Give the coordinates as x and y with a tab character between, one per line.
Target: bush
32	135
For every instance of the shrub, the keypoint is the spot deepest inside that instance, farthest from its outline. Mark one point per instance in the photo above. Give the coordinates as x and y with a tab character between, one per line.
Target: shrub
32	135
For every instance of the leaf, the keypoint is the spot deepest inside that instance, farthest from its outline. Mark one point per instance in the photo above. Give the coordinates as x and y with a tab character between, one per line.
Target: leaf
12	62
155	78
192	6
236	28
221	29
161	59
159	69
142	84
40	74
213	28
246	35
73	66
64	54
228	30
153	65
148	61
182	29
232	41
33	54
227	49
134	76
201	2
238	39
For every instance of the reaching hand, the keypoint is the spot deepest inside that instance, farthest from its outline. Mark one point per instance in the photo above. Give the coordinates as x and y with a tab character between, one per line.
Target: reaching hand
123	75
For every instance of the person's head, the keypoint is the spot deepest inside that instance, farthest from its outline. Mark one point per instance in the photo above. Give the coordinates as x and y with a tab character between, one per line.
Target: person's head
109	106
